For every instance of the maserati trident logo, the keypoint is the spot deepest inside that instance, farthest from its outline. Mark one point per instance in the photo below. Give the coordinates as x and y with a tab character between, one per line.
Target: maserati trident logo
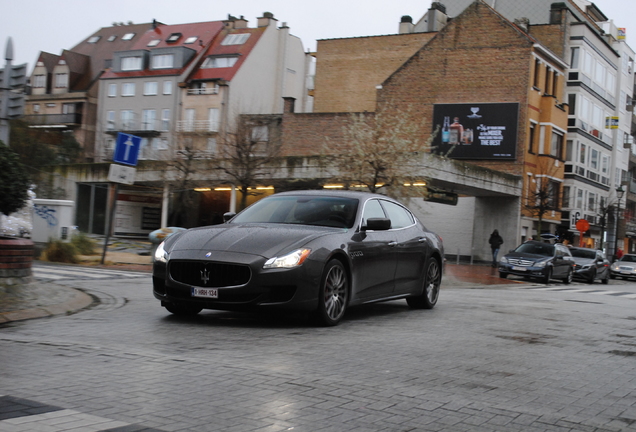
205	276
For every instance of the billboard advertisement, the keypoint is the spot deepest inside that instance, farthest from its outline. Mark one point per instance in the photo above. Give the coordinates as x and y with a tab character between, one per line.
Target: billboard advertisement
476	131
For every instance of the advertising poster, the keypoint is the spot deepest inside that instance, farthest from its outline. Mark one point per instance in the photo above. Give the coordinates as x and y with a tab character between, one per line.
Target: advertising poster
476	131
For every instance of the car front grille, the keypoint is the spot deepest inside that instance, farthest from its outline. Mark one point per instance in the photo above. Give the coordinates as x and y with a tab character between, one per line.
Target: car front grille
520	262
209	274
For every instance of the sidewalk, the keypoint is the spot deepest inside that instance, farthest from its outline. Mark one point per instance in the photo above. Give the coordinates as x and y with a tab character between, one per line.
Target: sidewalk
44	300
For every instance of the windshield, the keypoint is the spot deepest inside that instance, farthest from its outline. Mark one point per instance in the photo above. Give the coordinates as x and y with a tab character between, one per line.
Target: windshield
306	210
544	249
583	253
628	258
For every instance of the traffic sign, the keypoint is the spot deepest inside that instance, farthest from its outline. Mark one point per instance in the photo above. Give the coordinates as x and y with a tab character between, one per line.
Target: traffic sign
127	149
121	174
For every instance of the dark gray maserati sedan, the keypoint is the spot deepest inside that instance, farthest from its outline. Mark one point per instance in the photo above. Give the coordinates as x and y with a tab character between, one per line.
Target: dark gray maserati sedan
317	251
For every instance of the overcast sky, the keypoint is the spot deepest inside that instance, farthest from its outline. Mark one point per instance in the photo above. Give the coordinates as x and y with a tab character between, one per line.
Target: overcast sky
54	25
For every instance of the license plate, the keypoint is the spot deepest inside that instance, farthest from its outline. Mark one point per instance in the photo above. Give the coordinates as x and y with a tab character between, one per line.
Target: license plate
517	268
626	272
205	292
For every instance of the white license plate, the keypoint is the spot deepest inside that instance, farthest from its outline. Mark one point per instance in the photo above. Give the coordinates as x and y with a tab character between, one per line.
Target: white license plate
626	272
205	292
517	268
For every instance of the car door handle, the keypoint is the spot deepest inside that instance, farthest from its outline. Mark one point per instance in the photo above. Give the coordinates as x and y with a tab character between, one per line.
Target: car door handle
393	243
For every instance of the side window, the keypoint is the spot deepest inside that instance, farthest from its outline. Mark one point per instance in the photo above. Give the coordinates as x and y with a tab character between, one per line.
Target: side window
399	216
372	209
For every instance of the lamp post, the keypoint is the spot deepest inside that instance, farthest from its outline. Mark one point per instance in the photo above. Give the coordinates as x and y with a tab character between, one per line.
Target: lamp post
619	194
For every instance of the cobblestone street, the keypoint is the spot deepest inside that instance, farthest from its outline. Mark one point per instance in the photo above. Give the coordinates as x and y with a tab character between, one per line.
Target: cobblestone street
515	357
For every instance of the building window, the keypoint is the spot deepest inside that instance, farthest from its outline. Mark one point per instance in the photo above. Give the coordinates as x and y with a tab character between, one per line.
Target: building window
167	87
547	88
566	196
128	89
112	90
579	199
235	39
39	81
127	119
605	164
574	58
190	115
190	40
569	151
163	61
572	104
163	143
61	80
591	202
211	146
150	88
531	137
594	159
128	36
165	119
154	42
556	147
582	154
213	119
260	133
219	62
149	116
173	37
93	39
36	108
537	73
131	63
110	120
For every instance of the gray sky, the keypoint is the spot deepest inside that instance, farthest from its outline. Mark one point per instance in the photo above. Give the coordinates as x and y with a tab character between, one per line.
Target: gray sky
54	25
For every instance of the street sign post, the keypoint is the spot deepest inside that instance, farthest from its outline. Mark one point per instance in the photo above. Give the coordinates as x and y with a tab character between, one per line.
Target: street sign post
127	149
121	174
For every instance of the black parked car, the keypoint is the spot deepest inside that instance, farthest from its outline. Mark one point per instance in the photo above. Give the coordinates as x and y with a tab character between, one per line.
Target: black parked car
318	251
538	260
590	264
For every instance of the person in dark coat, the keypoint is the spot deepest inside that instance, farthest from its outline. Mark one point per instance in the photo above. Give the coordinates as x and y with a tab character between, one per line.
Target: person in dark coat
495	244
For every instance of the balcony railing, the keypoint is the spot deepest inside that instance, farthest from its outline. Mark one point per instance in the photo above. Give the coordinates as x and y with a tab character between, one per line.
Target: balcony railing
203	91
197	126
149	128
54	119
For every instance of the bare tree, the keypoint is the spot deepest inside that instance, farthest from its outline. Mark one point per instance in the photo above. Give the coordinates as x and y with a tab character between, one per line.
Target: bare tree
246	151
545	198
379	150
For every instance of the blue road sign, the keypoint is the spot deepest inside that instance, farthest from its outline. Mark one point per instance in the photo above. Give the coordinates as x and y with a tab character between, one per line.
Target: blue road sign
127	149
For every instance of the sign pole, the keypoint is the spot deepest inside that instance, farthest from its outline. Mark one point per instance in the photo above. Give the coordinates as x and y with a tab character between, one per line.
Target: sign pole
111	218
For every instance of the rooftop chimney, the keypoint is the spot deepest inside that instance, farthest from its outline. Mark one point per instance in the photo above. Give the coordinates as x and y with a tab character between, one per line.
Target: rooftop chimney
406	25
266	19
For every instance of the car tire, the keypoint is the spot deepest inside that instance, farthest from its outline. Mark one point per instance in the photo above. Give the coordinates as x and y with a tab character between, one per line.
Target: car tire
592	277
612	276
605	281
547	277
333	295
182	310
430	293
568	279
503	275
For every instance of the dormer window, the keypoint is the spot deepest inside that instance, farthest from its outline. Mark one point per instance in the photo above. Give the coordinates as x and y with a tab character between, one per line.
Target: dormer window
131	63
235	39
173	37
128	36
154	42
163	61
93	39
191	40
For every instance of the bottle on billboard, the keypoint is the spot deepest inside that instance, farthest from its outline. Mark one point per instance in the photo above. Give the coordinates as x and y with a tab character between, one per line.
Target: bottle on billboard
446	130
456	132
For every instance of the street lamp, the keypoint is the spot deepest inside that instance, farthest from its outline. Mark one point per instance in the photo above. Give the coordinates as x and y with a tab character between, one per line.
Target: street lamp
619	194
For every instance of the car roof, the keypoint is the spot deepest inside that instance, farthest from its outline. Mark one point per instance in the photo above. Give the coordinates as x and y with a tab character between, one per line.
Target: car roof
335	193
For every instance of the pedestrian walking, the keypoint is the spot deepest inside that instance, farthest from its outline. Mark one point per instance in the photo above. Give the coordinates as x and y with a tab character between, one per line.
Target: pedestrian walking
495	243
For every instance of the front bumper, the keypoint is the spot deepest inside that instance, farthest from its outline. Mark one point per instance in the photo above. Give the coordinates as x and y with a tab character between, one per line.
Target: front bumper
623	272
530	271
295	288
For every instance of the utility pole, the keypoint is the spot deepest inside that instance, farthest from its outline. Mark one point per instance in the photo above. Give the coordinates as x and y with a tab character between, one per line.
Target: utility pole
12	83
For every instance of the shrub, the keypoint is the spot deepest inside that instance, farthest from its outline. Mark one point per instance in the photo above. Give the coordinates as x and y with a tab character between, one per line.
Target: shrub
83	243
14	182
59	251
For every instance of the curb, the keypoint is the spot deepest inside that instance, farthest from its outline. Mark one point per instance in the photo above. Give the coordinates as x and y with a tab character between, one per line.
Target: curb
78	300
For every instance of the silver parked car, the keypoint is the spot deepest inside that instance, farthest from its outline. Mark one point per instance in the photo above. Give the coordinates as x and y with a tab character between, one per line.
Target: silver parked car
625	267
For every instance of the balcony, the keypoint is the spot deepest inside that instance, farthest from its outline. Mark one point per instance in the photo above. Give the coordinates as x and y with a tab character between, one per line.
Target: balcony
203	91
54	120
138	128
197	126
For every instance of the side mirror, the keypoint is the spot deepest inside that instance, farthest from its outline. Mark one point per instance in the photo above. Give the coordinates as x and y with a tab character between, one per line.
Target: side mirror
377	224
227	216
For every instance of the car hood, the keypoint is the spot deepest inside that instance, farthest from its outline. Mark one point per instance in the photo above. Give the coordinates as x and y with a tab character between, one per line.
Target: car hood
265	240
527	256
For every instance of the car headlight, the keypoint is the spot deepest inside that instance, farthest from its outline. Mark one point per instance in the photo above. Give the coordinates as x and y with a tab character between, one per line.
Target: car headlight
586	266
541	264
292	259
503	260
160	254
614	267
